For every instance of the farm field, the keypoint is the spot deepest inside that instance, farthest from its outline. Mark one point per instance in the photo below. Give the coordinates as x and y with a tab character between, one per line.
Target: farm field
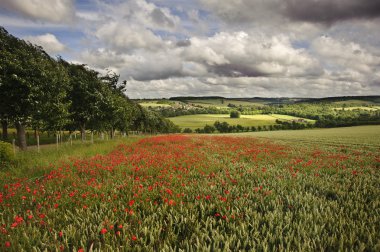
359	136
199	192
154	104
50	138
373	108
199	121
221	103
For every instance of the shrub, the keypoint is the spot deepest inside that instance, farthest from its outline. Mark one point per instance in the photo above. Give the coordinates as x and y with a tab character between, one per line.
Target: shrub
209	129
235	114
187	130
6	153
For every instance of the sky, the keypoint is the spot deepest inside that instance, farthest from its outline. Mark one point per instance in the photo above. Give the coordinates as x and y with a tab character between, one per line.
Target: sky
234	48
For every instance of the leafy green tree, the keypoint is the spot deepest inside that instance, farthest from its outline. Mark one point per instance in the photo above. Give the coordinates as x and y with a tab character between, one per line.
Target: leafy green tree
187	130
239	128
85	95
223	127
209	129
32	86
235	114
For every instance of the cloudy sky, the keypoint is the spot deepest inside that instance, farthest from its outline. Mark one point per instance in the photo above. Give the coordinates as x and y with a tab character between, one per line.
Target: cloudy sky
234	48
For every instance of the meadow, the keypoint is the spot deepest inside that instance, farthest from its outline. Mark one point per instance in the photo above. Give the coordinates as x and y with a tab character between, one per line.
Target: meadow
221	103
200	192
200	120
153	104
350	137
372	108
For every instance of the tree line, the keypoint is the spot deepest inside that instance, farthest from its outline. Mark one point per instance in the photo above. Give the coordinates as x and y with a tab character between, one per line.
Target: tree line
224	127
47	94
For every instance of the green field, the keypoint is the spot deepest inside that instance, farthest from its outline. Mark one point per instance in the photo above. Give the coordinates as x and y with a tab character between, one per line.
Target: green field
359	102
373	108
199	121
198	193
154	104
221	103
359	136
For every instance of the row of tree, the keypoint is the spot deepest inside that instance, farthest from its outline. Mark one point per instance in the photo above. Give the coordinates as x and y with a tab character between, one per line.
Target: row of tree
43	93
224	127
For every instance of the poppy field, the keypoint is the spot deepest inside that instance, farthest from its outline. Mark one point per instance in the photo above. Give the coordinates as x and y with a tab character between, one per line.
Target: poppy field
195	193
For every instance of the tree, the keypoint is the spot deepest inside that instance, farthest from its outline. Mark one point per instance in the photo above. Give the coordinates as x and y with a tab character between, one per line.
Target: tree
209	129
85	95
239	128
223	127
32	87
235	114
187	130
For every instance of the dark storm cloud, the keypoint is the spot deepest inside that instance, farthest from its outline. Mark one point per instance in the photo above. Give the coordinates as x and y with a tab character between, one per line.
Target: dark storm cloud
183	43
159	17
274	11
330	11
235	70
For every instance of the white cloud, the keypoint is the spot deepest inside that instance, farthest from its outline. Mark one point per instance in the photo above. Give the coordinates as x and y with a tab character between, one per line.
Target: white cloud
143	14
209	47
346	55
52	10
125	37
48	41
246	87
242	54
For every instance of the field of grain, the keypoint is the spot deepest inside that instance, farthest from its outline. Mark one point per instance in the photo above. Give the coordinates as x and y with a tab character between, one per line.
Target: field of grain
221	103
154	104
198	192
199	121
352	137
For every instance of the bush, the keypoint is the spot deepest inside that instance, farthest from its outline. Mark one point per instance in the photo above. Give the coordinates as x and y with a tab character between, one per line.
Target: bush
6	153
187	130
235	114
209	129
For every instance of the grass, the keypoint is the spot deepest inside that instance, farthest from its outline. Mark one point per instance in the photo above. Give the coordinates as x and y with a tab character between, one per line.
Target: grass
34	164
221	103
358	102
201	193
199	121
359	136
373	108
154	104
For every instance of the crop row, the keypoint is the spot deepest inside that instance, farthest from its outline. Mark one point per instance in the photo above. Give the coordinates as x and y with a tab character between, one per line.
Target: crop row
199	193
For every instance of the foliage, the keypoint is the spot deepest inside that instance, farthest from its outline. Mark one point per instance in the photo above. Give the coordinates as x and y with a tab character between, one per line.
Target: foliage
53	95
193	193
209	129
32	86
6	153
327	112
187	130
235	114
327	115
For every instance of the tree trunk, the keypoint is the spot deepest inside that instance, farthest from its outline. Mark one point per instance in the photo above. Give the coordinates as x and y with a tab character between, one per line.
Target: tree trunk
111	135
21	139
4	124
83	132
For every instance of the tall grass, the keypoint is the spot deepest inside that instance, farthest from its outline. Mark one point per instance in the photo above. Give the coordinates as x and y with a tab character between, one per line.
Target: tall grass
31	164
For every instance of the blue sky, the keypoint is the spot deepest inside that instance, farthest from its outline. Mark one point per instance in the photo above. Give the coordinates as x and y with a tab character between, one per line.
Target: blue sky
243	48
